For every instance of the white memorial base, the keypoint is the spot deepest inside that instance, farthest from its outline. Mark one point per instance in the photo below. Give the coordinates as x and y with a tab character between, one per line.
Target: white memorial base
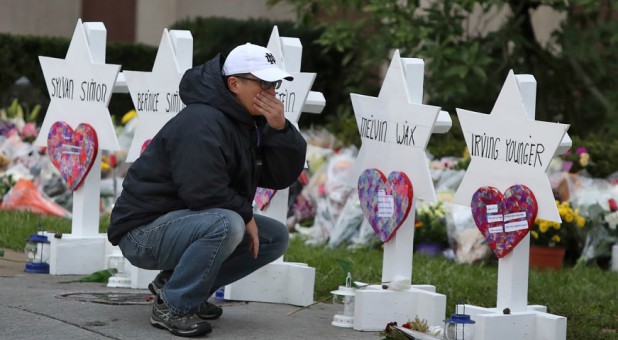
72	255
277	282
119	281
133	277
374	307
140	278
533	324
615	258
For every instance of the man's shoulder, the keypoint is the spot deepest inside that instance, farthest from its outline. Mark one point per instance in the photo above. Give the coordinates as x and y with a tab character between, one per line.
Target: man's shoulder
201	114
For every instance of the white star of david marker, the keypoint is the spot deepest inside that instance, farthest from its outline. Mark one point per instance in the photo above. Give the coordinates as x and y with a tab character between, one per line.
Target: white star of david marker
395	132
508	148
155	94
80	90
294	93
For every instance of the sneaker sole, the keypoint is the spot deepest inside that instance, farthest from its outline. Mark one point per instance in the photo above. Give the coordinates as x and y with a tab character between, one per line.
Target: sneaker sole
210	316
154	289
205	329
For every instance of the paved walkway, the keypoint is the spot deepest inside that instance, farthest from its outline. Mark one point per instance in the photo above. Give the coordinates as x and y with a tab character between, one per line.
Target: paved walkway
41	306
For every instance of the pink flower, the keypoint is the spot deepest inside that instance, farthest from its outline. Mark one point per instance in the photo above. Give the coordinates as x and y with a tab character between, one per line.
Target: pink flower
12	132
29	130
581	150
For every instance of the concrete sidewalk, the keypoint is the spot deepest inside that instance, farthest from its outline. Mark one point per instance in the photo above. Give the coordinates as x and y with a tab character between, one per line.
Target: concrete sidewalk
41	306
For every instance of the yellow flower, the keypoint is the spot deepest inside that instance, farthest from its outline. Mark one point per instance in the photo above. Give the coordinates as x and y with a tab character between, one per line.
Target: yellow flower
556	238
534	234
584	159
543	226
580	221
556	225
569	217
128	116
466	154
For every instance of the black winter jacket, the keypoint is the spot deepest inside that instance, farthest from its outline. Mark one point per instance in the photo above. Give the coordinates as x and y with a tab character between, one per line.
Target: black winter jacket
206	157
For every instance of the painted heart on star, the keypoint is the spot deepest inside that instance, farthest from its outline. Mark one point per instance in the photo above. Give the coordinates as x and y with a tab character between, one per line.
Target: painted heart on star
72	151
145	145
504	220
263	197
385	202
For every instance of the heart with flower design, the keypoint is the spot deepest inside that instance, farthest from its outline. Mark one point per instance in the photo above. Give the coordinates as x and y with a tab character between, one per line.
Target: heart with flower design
72	152
385	202
504	220
263	196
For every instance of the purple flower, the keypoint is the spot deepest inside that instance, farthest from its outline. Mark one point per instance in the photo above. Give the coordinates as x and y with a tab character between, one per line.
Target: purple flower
581	150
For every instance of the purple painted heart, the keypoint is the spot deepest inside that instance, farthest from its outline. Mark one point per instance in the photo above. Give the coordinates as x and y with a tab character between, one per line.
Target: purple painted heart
263	197
504	220
72	152
385	202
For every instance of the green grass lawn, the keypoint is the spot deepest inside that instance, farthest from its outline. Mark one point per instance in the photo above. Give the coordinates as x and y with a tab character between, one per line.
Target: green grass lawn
586	295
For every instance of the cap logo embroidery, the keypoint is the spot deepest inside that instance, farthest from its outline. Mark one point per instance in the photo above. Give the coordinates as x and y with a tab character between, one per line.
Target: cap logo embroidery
270	58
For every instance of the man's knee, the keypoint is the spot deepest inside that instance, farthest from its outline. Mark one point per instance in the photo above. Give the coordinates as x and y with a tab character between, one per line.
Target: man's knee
233	226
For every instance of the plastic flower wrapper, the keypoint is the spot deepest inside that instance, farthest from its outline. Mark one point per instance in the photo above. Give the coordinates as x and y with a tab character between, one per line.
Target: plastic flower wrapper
602	236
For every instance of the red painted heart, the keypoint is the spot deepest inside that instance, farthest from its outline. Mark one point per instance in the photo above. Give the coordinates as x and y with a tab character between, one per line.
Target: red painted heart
263	197
385	202
145	145
504	220
72	152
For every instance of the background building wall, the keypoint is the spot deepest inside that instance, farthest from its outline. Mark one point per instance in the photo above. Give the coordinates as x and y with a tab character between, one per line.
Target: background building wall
155	15
144	20
126	20
35	17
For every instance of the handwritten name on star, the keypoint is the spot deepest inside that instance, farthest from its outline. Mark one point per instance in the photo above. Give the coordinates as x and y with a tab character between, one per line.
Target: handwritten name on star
288	99
88	90
388	132
149	101
507	149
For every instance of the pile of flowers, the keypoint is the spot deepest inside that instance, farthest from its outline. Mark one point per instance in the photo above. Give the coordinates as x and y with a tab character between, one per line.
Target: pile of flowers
430	224
569	234
576	162
602	234
394	332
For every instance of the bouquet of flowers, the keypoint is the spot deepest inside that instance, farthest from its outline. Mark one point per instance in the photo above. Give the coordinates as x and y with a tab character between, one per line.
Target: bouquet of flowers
430	225
6	183
576	162
603	234
570	234
411	330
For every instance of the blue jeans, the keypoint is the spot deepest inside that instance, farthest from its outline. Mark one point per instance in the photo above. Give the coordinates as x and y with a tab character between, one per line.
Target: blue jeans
206	250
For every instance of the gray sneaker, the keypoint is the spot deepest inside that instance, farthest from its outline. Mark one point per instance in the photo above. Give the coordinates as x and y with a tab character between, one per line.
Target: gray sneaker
207	311
186	325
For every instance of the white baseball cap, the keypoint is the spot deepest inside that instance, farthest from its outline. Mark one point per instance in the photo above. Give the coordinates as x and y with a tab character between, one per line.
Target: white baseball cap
254	59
